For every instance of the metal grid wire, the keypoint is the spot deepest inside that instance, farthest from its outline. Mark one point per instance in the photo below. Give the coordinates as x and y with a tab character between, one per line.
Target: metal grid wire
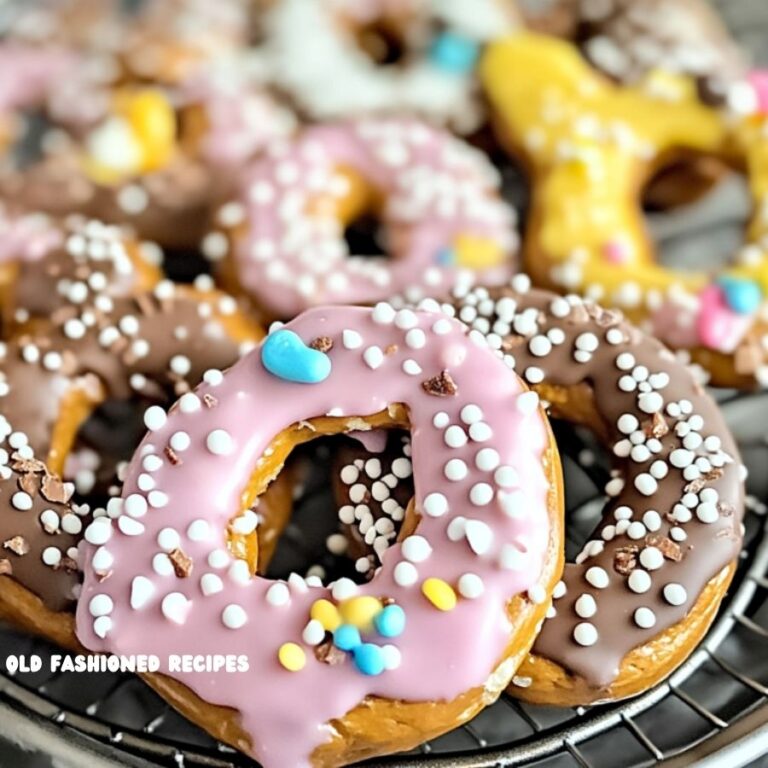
717	703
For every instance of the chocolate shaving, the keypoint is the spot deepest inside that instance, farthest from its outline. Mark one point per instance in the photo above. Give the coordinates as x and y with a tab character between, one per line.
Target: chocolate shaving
209	400
725	509
670	549
441	385
328	653
18	545
6	569
696	485
322	344
66	564
625	559
747	358
390	349
26	465
510	342
30	483
656	426
173	457
182	562
145	304
54	490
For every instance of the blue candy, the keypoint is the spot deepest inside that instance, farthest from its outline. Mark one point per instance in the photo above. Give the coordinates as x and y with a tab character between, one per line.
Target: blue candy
446	257
369	659
347	638
286	356
390	622
454	53
742	296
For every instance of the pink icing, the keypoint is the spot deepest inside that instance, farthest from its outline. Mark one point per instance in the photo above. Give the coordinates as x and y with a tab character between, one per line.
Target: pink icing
719	327
436	188
241	117
758	79
616	252
26	237
443	653
35	70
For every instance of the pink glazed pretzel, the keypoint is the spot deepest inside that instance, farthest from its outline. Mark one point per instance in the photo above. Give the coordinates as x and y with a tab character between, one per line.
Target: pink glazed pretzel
437	198
472	581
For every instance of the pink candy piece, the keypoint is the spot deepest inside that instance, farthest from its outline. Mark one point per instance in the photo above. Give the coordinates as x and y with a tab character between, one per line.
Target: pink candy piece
616	252
719	327
758	79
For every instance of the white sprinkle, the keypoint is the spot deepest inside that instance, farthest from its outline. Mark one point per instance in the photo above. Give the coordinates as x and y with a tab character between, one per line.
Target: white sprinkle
154	418
585	606
441	420
511	558
597	577
351	339
481	494
129	526
199	530
646	484
219	442
234	616
455	436
639	581
99	531
675	594
373	357
189	403
405	574
383	313
585	634
651	558
480	432
470	586
479	536
416	548
101	605
278	594
313	633
168	539
135	505
435	505
527	402
142	590
455	470
411	367
21	501
210	584
645	618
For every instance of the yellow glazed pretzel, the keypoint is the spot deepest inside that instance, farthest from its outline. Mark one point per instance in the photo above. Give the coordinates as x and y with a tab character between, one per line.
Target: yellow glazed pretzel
590	146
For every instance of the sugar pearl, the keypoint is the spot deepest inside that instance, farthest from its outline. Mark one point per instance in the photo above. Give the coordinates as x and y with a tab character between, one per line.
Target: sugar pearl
645	618
597	577
639	581
585	634
675	594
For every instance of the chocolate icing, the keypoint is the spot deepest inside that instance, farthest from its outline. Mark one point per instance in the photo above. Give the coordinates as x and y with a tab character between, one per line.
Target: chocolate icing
691	562
153	345
707	547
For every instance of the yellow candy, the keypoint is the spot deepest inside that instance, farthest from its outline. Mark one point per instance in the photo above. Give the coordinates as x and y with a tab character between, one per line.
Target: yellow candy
440	593
360	611
292	657
153	122
326	613
474	252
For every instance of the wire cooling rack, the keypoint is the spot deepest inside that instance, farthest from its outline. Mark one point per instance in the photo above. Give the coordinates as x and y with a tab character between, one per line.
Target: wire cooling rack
713	711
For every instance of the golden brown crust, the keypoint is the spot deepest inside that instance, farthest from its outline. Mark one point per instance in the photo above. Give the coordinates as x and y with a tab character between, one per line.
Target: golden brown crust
379	726
641	669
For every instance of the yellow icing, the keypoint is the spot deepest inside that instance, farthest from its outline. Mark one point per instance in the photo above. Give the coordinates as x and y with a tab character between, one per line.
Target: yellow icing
590	146
478	253
145	124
